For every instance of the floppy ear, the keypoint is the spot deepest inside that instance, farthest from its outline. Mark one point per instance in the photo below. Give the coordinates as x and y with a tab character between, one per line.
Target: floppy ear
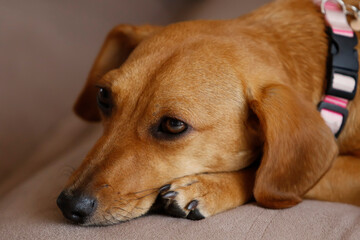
118	45
298	149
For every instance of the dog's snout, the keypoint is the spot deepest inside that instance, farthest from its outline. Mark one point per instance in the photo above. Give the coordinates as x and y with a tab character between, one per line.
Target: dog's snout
78	207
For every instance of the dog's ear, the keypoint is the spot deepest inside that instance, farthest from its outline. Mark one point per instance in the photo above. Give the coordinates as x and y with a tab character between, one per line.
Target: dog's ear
298	146
118	45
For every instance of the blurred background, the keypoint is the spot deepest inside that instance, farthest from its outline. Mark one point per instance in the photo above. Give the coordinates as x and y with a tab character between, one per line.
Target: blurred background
46	50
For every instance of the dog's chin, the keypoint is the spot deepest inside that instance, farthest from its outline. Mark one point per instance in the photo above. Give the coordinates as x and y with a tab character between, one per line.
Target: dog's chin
116	215
107	219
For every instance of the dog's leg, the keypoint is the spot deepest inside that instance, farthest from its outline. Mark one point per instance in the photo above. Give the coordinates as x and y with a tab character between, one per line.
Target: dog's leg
202	195
341	183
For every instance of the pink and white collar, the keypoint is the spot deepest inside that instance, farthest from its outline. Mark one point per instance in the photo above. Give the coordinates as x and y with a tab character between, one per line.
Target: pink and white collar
343	65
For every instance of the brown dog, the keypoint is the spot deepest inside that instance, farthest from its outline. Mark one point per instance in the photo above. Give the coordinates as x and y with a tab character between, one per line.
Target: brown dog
192	105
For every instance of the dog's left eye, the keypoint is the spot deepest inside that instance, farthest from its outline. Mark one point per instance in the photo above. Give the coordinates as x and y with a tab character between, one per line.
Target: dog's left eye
104	100
172	126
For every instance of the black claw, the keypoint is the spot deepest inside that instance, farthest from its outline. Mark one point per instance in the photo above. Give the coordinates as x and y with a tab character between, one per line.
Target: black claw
170	195
192	205
164	188
195	215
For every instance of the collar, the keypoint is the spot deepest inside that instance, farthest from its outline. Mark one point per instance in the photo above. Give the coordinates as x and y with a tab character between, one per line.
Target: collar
343	66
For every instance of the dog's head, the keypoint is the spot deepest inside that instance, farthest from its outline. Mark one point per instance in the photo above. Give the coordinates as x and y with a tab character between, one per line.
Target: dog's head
181	100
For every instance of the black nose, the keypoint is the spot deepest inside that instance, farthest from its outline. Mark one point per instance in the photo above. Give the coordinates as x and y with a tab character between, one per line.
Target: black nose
78	207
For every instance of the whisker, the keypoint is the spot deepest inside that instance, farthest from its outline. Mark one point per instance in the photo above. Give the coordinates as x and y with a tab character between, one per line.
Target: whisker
67	170
138	198
145	190
122	201
121	215
140	208
122	209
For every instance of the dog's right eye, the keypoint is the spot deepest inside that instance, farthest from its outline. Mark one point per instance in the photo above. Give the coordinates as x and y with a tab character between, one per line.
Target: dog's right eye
104	100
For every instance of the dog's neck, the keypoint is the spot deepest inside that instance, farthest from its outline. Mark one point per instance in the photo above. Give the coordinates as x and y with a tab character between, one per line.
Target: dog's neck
298	29
306	40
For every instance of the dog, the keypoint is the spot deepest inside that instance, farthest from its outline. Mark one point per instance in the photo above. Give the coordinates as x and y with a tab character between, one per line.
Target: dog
204	116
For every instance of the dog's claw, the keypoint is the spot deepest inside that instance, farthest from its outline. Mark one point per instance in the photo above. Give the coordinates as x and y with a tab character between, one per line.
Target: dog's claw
164	188
192	205
170	195
181	199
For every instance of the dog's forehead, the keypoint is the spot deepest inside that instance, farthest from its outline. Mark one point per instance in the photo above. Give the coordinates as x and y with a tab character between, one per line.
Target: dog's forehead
195	72
191	64
189	75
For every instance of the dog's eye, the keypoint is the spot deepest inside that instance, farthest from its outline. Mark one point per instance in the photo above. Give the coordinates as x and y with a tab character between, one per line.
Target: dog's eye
173	126
104	100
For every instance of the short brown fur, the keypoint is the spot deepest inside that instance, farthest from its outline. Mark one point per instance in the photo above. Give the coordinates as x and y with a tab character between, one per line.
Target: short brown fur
249	88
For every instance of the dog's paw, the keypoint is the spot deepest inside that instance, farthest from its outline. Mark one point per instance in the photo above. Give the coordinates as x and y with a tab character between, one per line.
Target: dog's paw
185	198
198	196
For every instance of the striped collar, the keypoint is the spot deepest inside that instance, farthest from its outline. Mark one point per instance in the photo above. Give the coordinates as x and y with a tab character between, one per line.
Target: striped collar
342	66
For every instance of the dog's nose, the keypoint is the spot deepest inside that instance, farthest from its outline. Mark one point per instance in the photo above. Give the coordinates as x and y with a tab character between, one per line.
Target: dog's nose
76	208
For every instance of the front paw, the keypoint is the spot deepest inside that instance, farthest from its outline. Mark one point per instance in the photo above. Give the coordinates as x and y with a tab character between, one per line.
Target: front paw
198	196
185	198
